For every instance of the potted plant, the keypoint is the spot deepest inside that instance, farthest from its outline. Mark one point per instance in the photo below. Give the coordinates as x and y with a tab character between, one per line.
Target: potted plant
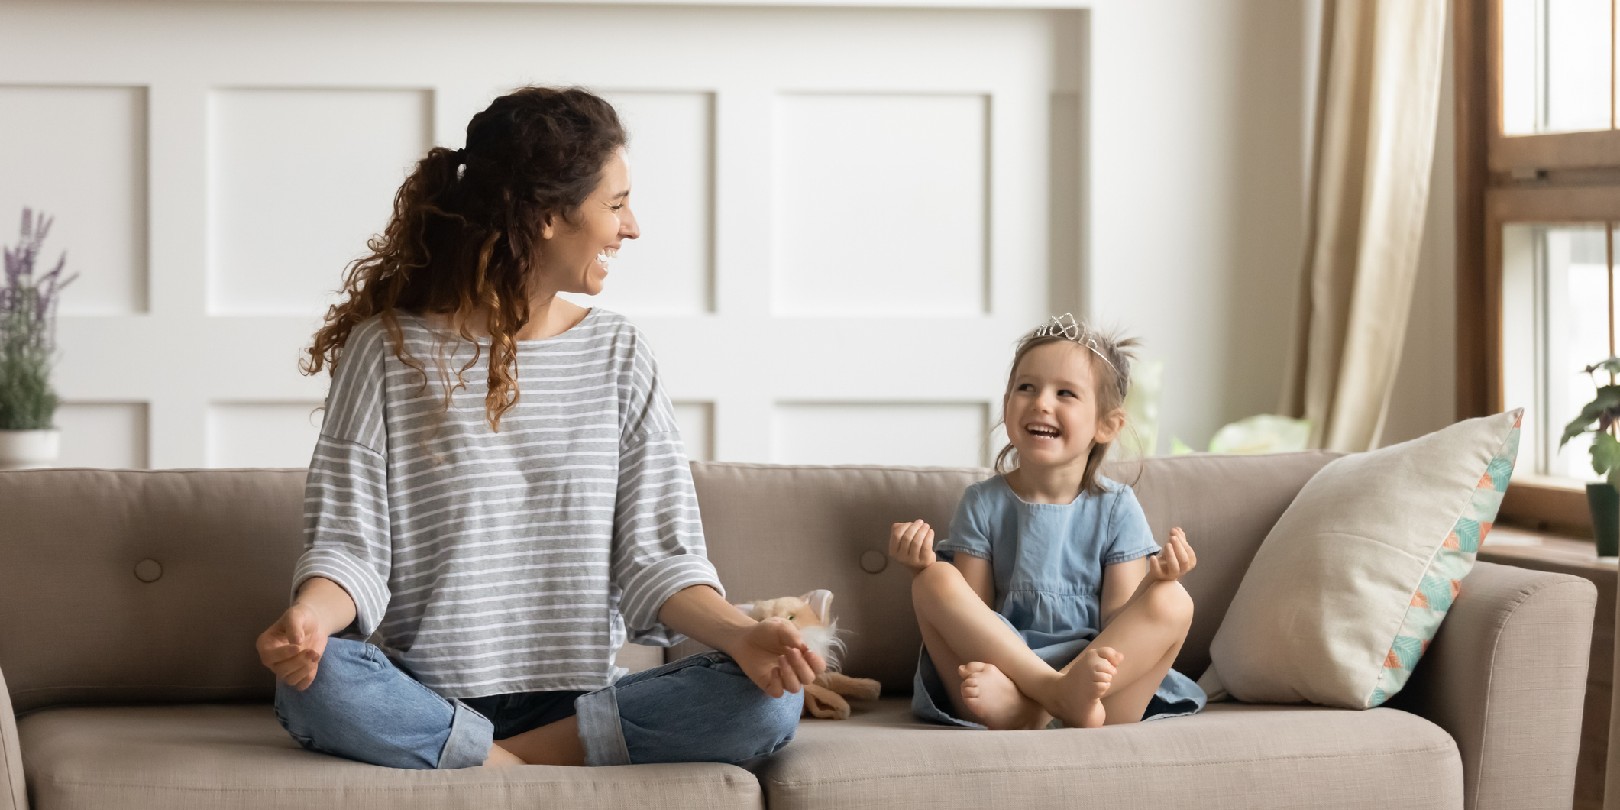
1598	418
28	300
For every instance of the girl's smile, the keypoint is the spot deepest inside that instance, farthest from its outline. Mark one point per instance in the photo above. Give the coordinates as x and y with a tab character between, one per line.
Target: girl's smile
1053	406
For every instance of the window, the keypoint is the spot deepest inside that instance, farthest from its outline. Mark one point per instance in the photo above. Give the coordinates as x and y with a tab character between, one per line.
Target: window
1538	171
1556	290
1557	57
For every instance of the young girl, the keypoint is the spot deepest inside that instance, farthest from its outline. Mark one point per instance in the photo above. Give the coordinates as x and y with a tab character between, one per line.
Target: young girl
1052	602
500	536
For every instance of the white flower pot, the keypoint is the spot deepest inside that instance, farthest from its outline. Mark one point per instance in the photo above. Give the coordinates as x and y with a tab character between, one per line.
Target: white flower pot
23	449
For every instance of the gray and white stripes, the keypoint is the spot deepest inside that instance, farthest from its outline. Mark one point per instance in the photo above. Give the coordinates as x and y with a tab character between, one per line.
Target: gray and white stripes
511	561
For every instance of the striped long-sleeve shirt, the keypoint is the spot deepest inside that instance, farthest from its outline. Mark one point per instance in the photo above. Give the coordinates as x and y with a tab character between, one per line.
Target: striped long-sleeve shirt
511	561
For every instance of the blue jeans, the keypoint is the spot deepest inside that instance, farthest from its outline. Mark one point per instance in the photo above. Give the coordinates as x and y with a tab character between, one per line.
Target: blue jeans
699	709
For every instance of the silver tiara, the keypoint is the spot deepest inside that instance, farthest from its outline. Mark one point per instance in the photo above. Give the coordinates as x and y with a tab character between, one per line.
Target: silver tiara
1066	326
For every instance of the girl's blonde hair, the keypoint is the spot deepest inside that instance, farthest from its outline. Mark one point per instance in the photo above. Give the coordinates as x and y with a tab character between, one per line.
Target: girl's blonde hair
1110	355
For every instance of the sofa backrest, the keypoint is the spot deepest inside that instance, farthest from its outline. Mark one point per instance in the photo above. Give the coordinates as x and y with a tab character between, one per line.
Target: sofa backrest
151	586
136	586
775	530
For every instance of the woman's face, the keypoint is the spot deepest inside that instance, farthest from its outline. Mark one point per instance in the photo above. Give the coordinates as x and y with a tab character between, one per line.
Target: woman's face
575	252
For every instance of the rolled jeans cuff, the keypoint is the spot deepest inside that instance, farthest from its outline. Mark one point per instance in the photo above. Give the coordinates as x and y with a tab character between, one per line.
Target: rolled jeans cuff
599	729
471	735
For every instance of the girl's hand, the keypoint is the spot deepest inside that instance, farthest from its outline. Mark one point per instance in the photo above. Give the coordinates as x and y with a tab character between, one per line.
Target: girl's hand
912	544
1174	560
775	657
292	647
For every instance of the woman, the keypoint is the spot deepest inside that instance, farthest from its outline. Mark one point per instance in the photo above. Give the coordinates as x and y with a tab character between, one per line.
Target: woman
499	536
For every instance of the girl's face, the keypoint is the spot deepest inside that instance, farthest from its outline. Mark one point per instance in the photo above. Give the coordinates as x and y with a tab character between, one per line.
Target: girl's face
574	255
1051	408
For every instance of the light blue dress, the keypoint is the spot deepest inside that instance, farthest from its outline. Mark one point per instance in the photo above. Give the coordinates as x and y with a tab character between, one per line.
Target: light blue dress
1048	562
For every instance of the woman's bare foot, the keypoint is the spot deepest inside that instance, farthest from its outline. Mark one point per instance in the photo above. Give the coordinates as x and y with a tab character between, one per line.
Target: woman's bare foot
992	697
1077	697
500	758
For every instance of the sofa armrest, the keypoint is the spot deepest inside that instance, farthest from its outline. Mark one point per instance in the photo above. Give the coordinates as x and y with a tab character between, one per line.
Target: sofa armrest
1506	677
13	786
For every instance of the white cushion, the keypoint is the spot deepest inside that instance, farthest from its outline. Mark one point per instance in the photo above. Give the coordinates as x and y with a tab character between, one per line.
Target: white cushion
1352	582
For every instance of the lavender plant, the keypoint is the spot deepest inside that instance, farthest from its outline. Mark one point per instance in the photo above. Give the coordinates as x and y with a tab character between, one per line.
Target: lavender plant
28	330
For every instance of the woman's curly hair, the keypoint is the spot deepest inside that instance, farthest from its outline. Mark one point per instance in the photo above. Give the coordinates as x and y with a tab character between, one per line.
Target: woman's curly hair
462	242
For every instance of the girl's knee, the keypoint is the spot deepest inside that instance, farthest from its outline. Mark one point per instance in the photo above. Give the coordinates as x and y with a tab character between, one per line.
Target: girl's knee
935	581
1170	602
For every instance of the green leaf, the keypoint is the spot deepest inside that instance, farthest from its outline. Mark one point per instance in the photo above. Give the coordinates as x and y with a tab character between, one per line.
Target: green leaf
1605	453
1607	398
1611	365
1265	433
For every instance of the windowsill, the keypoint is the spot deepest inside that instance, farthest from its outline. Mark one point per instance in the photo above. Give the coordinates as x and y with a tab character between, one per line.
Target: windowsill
1553	506
1514	545
1550	481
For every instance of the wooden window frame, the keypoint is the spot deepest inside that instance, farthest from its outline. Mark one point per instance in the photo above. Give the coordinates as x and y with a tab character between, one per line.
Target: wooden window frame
1542	178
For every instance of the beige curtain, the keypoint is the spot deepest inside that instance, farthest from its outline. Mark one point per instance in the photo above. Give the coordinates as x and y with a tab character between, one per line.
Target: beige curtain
1378	92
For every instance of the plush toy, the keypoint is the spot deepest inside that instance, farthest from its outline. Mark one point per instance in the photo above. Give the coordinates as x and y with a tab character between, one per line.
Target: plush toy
810	612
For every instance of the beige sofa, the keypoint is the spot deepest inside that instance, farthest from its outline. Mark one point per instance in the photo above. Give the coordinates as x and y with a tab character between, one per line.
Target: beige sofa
129	602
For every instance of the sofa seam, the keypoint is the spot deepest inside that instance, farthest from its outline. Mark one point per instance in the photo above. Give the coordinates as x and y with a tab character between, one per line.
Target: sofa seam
380	788
749	465
1490	682
1470	802
928	468
15	776
1137	766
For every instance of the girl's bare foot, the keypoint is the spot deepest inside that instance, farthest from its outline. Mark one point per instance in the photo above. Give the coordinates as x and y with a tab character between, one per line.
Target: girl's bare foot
992	697
1077	697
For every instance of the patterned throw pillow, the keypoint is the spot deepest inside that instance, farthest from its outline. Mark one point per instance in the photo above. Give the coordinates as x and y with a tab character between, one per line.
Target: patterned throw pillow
1351	584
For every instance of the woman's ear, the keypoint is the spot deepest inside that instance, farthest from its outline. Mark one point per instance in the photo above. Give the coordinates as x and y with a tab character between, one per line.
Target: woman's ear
548	226
1109	426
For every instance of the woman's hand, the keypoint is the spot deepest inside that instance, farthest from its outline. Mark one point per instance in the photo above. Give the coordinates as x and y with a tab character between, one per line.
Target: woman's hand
912	544
771	653
1174	560
775	657
292	647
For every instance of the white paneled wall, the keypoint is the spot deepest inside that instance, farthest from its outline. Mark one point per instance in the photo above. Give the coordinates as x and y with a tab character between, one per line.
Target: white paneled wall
260	434
849	214
295	175
103	434
80	151
907	175
942	433
672	167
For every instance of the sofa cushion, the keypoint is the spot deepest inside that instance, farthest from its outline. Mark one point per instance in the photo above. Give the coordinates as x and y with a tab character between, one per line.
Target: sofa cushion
777	530
1230	756
838	519
1351	584
136	566
205	757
